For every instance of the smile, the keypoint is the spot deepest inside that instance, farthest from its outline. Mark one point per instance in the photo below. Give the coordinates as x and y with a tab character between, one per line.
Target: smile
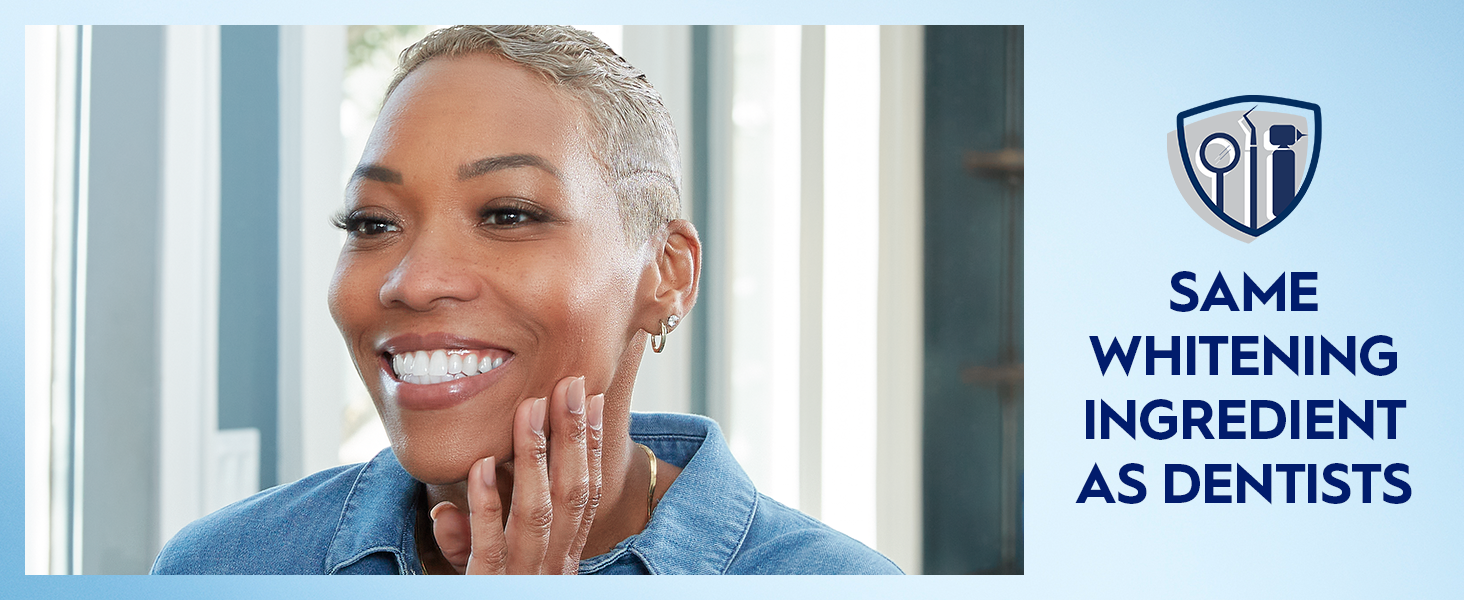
438	366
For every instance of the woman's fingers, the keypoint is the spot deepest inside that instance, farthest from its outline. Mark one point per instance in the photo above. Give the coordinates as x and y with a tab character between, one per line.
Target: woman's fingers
451	530
530	513
556	490
569	481
594	437
489	548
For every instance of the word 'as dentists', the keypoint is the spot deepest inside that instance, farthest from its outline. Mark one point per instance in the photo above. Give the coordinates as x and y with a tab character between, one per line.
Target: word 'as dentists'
1182	483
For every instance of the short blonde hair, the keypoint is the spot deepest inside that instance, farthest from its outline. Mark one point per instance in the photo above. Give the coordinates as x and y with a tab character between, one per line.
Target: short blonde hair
637	145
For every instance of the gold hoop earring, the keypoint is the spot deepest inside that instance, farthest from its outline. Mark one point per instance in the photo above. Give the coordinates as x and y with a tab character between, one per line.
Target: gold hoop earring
658	342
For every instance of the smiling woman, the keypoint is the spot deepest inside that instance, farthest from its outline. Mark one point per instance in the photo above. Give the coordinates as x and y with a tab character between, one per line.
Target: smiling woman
514	238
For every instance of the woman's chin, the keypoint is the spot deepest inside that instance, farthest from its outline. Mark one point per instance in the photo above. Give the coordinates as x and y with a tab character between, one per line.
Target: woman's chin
445	461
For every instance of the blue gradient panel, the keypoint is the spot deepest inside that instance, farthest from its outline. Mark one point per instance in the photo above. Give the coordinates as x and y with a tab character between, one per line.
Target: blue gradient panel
1105	230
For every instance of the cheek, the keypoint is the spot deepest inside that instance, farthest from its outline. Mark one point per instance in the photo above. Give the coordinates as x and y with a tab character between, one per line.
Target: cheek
351	298
582	310
335	295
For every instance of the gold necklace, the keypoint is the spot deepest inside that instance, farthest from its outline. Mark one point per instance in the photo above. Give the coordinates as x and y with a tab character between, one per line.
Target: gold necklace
651	496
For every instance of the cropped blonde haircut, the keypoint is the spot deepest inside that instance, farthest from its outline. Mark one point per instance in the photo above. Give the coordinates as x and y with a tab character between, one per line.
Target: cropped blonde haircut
637	141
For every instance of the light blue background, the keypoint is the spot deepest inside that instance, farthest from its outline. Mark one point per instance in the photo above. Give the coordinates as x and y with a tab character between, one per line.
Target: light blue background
1105	231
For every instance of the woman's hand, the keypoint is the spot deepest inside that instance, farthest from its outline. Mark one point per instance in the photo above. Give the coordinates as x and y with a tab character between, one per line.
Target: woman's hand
550	515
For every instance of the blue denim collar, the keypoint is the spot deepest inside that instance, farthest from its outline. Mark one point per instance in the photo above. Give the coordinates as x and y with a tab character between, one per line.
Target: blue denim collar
704	516
379	515
698	526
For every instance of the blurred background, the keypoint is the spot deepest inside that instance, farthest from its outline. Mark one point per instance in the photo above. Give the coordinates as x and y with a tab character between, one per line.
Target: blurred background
858	190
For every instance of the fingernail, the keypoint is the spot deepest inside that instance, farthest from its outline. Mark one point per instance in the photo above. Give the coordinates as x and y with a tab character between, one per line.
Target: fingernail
576	400
487	471
596	418
536	416
438	509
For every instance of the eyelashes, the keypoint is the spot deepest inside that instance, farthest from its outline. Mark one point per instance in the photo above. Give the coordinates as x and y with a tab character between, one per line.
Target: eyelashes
501	215
357	223
511	215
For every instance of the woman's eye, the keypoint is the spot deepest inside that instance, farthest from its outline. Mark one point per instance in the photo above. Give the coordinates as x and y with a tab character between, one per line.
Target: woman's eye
508	217
366	226
371	227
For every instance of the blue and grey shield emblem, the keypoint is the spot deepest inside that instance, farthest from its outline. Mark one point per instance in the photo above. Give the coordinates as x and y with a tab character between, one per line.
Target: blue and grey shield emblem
1245	163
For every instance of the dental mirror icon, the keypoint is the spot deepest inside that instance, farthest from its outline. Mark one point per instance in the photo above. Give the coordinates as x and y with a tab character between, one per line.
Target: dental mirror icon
1218	148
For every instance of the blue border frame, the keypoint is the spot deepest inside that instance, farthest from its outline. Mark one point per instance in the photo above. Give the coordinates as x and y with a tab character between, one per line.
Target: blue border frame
1311	169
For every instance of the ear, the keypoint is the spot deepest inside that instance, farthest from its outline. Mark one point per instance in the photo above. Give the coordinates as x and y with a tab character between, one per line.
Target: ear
671	276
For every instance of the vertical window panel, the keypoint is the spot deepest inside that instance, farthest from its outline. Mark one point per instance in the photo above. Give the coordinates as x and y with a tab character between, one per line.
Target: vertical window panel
851	245
763	233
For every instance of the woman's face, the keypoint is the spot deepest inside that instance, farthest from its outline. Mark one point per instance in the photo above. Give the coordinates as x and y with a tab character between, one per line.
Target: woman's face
480	224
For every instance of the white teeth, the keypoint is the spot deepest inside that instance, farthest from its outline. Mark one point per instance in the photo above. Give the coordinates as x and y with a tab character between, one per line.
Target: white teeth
437	366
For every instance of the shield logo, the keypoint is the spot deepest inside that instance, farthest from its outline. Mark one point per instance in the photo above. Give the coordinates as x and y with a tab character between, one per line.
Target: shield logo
1245	163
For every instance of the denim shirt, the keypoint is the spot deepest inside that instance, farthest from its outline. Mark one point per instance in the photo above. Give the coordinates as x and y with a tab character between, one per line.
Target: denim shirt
360	519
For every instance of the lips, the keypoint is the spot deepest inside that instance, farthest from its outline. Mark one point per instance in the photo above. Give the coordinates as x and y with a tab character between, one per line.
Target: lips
436	371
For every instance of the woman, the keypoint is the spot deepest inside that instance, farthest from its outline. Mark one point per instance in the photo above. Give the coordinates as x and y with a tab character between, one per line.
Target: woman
514	241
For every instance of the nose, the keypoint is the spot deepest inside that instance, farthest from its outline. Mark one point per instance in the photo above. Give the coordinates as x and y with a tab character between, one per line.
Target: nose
428	275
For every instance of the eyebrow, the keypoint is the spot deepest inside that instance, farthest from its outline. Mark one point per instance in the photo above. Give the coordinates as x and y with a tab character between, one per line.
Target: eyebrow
507	161
476	168
377	173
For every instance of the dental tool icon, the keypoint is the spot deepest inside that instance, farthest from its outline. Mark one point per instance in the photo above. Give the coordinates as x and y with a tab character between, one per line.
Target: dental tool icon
1252	202
1265	145
1228	150
1283	166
